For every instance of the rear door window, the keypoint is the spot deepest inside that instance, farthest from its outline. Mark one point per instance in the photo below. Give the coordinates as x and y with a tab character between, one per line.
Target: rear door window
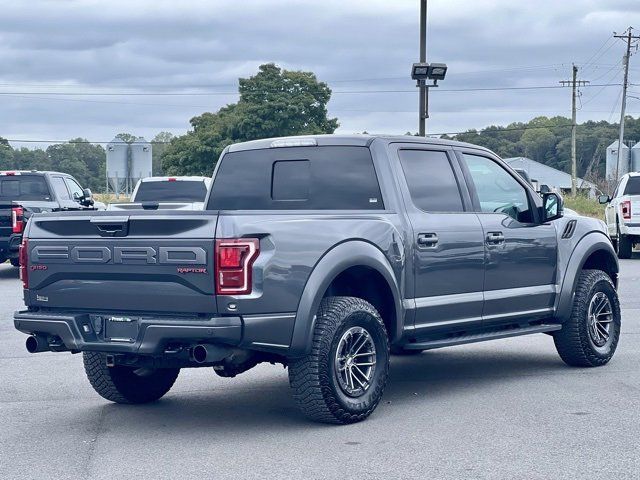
299	178
431	181
24	187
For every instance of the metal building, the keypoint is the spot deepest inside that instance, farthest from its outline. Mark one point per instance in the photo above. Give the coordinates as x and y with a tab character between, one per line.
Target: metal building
555	179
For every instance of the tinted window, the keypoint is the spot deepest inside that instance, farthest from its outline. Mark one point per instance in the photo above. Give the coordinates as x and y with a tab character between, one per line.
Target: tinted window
498	191
74	188
633	186
60	188
311	178
431	181
176	191
23	187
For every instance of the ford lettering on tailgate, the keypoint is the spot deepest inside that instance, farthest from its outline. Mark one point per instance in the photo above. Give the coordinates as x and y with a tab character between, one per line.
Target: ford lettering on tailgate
120	255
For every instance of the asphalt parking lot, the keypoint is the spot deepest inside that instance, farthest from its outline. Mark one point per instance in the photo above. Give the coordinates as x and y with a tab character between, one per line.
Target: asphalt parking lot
503	409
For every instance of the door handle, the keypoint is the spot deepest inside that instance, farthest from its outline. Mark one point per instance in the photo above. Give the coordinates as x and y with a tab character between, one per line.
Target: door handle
495	238
427	240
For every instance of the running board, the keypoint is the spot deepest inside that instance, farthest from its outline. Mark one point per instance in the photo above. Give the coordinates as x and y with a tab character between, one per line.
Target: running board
481	337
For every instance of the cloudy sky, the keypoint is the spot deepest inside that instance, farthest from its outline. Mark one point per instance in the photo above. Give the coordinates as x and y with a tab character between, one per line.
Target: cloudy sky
54	53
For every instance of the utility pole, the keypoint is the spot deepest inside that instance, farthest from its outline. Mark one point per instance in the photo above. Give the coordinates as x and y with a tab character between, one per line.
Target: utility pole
574	82
631	40
423	91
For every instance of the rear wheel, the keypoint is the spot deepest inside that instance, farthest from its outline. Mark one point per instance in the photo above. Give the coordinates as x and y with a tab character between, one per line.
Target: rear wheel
343	377
590	337
122	384
15	262
623	244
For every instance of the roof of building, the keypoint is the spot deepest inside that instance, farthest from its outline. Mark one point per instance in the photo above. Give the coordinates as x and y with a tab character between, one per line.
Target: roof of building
546	175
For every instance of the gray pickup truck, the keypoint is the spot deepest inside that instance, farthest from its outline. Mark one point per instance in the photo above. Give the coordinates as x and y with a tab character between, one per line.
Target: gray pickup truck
25	192
326	254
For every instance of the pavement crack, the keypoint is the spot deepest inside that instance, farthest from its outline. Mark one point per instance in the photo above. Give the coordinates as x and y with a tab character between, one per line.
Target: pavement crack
92	443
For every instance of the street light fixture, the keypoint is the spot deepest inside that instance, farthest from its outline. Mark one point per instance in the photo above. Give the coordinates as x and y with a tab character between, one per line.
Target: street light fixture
425	71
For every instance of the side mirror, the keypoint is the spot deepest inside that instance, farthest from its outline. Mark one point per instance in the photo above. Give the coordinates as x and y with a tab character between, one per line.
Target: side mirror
552	206
603	199
544	189
87	198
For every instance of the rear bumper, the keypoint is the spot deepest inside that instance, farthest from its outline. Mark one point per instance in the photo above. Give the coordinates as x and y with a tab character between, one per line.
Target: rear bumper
9	246
631	228
84	332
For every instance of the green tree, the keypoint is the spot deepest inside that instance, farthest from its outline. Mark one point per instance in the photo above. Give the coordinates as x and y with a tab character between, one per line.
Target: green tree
126	137
159	144
84	161
274	102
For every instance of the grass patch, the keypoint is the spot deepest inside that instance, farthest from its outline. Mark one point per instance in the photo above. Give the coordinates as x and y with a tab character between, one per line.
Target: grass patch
109	198
585	206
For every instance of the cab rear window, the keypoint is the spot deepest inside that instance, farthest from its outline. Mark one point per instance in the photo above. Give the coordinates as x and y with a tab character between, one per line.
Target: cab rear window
633	186
297	178
24	187
186	191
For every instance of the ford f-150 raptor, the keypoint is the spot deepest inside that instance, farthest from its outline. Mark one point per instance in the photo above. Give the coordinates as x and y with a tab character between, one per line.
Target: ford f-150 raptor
325	254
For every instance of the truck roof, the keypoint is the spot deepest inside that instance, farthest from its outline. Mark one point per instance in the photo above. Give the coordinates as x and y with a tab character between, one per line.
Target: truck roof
356	140
9	173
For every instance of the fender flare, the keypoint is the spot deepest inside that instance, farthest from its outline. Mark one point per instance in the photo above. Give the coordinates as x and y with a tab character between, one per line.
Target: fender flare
590	243
341	257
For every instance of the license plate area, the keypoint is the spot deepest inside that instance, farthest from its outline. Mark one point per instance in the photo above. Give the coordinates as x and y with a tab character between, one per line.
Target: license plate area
121	328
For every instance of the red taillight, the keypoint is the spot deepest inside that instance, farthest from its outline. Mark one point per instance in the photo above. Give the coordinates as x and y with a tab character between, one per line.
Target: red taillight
23	257
234	259
17	219
171	179
626	209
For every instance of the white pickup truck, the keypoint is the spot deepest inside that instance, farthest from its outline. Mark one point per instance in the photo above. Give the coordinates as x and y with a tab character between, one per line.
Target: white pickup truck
622	214
167	193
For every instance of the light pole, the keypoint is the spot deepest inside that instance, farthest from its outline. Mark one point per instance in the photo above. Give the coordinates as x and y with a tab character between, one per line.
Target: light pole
422	71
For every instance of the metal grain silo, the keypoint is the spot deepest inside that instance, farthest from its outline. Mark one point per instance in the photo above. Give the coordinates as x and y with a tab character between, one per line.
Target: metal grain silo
635	158
117	165
612	161
141	160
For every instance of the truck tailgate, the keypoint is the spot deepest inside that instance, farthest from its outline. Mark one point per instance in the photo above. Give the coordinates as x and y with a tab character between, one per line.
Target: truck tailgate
109	261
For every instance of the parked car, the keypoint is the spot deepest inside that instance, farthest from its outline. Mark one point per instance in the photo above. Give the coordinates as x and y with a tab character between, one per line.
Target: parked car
325	254
167	193
622	214
25	192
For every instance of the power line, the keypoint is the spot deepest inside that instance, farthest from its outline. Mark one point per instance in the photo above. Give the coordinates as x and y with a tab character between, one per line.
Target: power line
367	91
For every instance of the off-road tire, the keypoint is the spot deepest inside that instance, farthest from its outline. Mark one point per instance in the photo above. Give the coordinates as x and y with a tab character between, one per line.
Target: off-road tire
15	262
573	341
624	245
313	377
127	385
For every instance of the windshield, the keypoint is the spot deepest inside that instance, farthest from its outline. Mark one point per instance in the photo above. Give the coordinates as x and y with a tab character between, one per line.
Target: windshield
633	186
175	191
24	187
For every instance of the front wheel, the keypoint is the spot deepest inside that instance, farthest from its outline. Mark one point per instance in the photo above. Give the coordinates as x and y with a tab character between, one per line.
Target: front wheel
590	337
343	377
122	384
